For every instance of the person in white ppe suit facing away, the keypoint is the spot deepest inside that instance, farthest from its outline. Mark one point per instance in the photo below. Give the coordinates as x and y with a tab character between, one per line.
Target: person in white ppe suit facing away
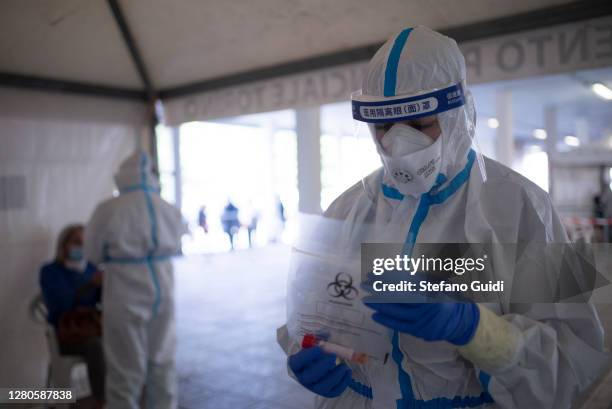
135	235
435	188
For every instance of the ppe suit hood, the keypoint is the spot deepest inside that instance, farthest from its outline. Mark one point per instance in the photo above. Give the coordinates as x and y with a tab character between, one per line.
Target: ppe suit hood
419	60
428	60
136	173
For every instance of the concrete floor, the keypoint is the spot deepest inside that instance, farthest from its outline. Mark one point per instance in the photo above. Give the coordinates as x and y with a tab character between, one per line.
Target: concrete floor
228	308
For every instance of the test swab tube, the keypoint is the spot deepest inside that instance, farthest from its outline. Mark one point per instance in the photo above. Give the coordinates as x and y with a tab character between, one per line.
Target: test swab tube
349	354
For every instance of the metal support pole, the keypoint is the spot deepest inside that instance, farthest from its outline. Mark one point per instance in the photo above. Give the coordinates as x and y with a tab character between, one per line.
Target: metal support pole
504	143
178	177
552	135
308	130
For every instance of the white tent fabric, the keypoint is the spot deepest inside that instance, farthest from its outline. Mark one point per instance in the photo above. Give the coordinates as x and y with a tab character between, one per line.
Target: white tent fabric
58	154
192	40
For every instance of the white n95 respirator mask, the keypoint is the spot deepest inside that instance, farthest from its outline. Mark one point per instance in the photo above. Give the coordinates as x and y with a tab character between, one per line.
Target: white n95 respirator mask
411	159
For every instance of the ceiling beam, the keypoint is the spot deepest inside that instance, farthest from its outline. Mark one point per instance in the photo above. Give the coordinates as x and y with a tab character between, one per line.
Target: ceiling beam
130	43
148	94
531	20
69	87
150	91
295	67
565	13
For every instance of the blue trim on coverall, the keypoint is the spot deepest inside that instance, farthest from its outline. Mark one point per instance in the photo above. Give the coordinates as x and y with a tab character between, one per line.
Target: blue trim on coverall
151	257
408	400
134	188
140	260
393	62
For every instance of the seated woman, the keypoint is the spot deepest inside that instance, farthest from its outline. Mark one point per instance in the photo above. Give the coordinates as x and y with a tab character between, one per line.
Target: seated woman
71	289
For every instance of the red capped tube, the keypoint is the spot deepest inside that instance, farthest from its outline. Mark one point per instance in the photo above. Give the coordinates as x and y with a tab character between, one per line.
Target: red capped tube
349	354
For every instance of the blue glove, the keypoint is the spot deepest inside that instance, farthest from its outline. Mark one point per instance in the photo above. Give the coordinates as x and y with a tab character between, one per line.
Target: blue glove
442	321
317	371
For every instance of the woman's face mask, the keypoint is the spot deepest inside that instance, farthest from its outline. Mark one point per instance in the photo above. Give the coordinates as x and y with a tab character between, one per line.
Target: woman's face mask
75	253
75	259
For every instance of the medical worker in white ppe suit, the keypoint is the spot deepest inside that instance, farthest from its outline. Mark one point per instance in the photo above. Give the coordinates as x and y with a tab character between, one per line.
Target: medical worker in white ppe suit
439	190
135	235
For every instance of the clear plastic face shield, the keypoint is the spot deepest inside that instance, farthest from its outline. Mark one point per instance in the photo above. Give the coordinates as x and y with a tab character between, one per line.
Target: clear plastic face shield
446	113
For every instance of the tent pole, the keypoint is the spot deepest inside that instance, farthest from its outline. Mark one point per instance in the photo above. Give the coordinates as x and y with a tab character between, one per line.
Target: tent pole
152	95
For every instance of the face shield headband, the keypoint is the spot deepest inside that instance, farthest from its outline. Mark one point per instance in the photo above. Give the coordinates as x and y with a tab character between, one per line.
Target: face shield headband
406	107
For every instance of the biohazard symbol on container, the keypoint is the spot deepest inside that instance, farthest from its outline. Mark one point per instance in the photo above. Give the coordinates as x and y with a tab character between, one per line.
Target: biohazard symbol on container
342	286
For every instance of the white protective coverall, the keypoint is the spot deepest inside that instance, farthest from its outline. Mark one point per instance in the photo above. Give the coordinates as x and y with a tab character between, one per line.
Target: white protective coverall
135	235
557	349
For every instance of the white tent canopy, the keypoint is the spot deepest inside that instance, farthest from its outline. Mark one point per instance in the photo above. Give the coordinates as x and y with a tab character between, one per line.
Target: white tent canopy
186	41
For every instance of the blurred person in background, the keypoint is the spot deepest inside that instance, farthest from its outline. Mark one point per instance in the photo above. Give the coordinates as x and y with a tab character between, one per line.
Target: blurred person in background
281	213
251	220
230	222
71	289
202	219
281	219
252	227
606	209
135	235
